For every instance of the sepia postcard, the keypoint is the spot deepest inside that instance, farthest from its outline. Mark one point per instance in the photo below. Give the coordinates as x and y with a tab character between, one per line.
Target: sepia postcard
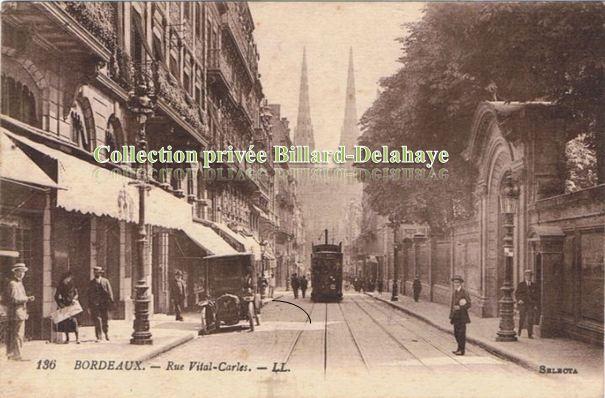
302	199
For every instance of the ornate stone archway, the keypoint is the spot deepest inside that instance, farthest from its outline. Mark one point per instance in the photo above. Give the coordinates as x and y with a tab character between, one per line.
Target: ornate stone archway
493	156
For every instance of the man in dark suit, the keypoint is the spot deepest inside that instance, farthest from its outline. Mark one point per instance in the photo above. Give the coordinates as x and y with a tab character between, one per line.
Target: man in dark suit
295	283
304	283
416	288
528	299
461	302
177	294
100	298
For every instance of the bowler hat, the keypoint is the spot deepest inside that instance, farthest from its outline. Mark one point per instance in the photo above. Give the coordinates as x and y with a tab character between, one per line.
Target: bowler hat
19	266
457	278
97	269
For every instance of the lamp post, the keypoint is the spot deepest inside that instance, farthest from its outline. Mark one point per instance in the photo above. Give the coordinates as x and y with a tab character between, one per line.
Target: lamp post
508	206
141	103
394	223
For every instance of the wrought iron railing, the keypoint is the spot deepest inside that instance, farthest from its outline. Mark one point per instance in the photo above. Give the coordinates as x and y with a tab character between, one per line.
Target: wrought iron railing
99	18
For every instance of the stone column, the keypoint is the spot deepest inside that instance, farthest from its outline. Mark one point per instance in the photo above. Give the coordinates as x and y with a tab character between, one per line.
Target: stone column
47	287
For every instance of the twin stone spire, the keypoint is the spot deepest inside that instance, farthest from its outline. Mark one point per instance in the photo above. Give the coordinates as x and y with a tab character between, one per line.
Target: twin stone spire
304	128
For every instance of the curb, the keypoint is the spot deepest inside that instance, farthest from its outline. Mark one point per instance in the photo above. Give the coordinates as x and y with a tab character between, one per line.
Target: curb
168	347
269	299
530	365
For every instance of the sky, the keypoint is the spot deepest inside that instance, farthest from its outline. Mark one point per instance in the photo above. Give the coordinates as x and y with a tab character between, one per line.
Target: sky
327	30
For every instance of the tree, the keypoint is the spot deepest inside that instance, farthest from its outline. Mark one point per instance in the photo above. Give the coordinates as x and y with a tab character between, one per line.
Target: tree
459	55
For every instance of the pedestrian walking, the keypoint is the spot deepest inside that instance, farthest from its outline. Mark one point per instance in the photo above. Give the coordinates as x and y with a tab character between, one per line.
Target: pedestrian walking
304	283
295	283
417	288
177	294
66	295
100	299
16	302
528	299
461	302
272	285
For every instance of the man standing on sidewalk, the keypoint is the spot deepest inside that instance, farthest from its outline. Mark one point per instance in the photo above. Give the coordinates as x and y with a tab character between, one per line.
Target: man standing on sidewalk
100	298
417	288
461	302
177	293
16	300
304	283
295	283
527	299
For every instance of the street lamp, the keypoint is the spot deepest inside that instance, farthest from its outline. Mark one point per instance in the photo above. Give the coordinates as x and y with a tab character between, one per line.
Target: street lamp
394	223
141	102
508	207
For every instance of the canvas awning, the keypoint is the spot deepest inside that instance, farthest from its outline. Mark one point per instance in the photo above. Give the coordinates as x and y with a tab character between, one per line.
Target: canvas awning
253	247
92	189
16	166
248	242
208	240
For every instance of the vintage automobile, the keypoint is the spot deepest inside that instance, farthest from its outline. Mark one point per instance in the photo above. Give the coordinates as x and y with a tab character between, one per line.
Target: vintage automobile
230	292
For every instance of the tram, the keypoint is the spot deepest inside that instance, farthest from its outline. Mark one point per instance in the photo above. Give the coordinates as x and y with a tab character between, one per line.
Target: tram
326	271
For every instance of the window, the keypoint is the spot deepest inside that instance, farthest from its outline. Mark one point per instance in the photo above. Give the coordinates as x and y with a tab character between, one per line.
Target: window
174	66
79	133
198	24
592	263
114	136
136	44
18	101
187	81
187	14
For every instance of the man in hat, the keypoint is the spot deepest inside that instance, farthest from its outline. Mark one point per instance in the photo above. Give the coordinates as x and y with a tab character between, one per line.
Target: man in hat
461	302
416	288
527	297
295	283
16	300
100	299
177	293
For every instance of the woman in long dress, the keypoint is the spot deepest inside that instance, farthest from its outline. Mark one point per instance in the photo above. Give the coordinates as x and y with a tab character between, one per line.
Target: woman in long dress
64	296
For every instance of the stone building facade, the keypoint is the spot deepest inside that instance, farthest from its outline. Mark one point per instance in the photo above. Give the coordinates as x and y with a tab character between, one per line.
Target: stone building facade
67	72
558	234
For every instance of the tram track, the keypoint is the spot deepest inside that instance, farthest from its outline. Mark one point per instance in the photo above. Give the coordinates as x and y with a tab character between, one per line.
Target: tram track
355	341
419	337
326	341
392	336
297	339
455	358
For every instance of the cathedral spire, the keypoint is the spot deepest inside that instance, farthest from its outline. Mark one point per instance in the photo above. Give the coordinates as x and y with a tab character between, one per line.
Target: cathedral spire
304	129
350	130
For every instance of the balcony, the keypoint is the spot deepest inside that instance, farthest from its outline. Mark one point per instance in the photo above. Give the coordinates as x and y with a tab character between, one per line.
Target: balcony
98	18
246	52
76	30
219	66
169	90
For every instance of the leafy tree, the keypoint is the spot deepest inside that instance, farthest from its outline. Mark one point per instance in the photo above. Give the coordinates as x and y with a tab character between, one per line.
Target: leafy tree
460	54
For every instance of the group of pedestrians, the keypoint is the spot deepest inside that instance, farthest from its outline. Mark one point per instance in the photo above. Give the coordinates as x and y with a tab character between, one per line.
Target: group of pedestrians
100	299
297	283
527	296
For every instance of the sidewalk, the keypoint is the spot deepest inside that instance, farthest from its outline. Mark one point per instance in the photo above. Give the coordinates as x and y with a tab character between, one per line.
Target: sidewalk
166	334
531	354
